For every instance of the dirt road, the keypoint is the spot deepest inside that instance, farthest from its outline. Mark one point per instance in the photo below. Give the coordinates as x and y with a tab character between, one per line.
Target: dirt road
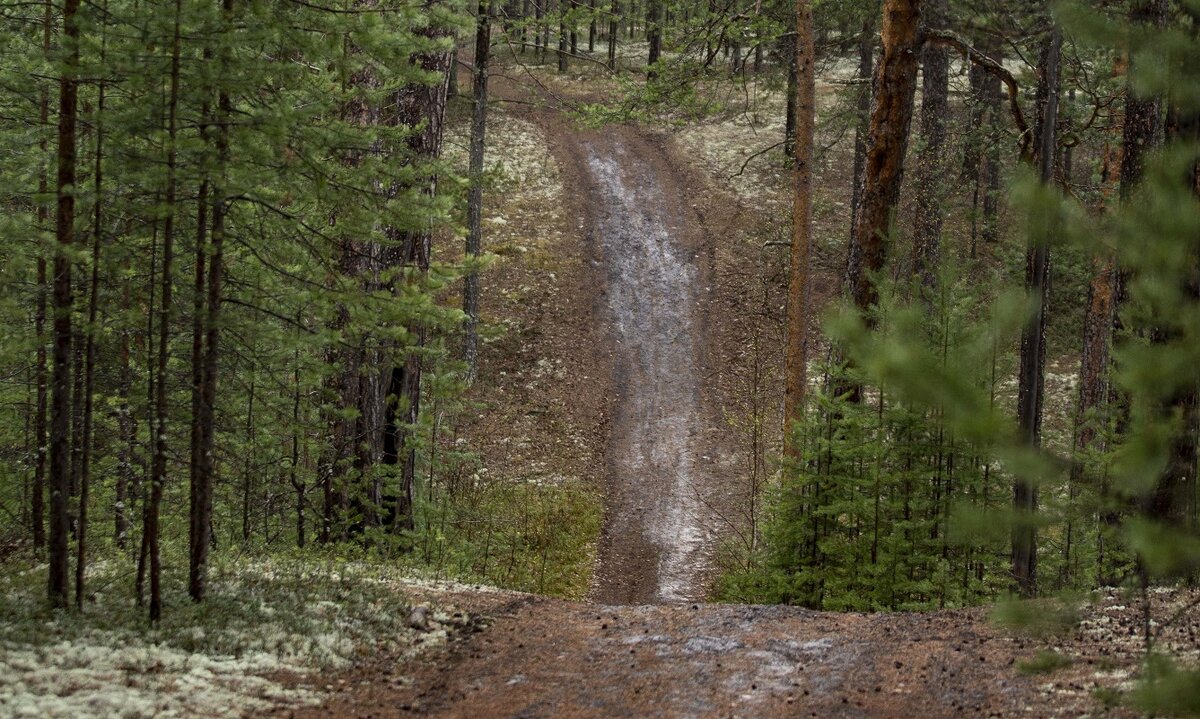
540	658
657	536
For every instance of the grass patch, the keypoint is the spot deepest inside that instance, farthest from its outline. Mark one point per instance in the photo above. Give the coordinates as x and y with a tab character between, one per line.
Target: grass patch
1044	662
528	536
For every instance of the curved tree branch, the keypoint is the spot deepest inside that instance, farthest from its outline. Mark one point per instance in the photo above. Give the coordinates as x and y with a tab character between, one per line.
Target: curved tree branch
946	38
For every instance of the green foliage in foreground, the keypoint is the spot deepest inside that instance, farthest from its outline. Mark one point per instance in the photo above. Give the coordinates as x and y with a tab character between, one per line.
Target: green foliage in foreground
1168	690
1045	662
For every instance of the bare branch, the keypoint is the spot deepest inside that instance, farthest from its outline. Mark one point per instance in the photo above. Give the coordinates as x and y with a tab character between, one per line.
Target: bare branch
946	38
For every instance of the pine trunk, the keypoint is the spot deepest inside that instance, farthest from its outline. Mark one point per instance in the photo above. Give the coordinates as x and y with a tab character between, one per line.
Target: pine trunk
38	500
159	467
421	106
474	244
866	73
798	284
60	402
891	116
935	87
1031	380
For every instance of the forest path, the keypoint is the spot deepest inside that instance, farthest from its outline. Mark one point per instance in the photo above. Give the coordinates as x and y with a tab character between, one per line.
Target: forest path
657	531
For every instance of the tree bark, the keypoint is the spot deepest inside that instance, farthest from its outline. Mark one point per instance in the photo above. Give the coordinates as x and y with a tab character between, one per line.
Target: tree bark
614	28
421	106
793	80
591	26
38	499
866	71
159	467
1031	380
891	115
935	87
197	428
89	368
653	36
127	436
151	393
200	530
798	284
474	244
60	407
562	35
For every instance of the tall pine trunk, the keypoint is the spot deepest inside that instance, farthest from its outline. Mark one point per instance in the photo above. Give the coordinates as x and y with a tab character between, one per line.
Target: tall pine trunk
38	499
653	36
862	125
614	29
474	244
421	106
89	367
1031	380
126	435
200	526
159	466
798	284
60	407
883	169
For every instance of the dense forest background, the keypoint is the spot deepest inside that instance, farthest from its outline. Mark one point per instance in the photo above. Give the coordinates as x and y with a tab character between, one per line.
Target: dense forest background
243	274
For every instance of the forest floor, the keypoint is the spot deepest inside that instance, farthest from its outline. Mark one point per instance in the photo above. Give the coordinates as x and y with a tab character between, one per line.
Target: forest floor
657	239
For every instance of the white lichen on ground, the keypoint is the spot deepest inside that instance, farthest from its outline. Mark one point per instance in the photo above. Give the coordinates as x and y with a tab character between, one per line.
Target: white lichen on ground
523	194
267	626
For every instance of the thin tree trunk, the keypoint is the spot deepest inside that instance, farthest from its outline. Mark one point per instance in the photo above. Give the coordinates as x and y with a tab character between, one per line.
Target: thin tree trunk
247	496
798	285
866	73
562	35
614	29
591	26
474	248
423	106
935	88
127	437
159	470
151	393
38	500
197	428
1031	381
89	382
991	172
202	489
294	474
976	112
60	407
653	36
793	84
